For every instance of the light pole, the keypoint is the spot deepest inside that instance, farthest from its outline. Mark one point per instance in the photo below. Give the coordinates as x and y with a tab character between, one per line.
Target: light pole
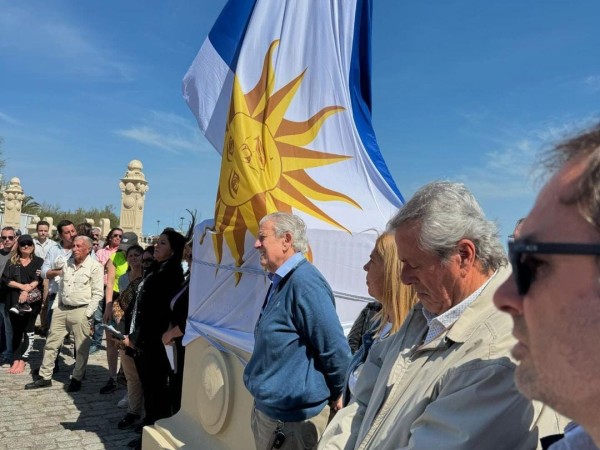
181	224
157	227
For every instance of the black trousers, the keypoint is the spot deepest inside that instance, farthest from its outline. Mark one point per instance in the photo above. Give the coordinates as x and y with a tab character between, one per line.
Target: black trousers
21	325
154	369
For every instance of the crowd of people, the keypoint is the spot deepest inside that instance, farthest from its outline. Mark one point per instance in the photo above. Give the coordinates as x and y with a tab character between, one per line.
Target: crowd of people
86	286
457	352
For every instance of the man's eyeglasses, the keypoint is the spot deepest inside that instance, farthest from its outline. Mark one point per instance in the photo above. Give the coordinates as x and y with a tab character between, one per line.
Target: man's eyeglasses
7	238
524	266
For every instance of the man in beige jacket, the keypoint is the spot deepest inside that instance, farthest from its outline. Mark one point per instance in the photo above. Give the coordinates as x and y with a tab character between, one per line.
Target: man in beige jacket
445	379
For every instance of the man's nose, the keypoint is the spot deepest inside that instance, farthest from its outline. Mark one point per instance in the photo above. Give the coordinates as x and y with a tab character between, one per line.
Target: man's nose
507	298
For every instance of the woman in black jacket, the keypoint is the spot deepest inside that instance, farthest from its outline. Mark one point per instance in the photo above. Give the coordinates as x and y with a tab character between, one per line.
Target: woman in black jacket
21	280
150	317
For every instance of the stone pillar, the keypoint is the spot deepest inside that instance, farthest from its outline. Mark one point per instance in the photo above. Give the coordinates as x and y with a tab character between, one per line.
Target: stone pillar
13	200
104	225
133	192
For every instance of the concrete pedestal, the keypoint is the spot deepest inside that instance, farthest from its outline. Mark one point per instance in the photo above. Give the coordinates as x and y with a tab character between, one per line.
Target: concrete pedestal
215	407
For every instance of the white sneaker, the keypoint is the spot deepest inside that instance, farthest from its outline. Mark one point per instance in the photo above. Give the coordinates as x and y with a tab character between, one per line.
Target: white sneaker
14	310
124	402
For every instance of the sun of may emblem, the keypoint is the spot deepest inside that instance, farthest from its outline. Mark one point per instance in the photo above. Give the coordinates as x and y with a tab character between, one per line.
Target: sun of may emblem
263	167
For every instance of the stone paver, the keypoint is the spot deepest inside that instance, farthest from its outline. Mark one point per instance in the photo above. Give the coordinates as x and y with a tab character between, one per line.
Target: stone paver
52	418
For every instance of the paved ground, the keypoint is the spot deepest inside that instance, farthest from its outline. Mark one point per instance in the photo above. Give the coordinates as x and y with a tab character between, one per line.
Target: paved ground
52	418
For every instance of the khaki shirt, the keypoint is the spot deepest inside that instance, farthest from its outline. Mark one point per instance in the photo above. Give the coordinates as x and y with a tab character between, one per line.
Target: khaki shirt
83	285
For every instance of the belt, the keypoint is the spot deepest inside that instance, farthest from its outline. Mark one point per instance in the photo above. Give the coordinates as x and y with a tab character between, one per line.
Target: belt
62	305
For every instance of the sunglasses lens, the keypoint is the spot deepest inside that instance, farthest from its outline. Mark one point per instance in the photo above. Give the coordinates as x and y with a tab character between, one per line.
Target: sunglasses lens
521	271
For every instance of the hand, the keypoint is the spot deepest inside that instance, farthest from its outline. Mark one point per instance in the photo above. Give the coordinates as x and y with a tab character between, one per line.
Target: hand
27	288
38	272
167	339
23	297
128	342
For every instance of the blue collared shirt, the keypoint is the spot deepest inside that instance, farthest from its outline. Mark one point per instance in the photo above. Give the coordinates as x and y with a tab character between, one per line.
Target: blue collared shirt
283	270
437	324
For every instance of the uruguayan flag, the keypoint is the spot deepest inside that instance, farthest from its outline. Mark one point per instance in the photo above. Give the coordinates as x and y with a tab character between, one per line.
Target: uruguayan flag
282	90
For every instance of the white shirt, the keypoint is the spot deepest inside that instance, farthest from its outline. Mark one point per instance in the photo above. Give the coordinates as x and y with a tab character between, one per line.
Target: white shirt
41	250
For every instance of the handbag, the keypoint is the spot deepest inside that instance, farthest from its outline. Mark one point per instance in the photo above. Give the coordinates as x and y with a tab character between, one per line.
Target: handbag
35	295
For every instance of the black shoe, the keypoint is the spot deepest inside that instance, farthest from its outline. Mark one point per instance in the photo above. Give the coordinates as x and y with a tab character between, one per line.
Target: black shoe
25	308
128	421
136	443
109	387
39	383
74	386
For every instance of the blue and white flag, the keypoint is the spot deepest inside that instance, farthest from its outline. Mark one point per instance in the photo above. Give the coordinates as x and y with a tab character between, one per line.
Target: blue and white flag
282	90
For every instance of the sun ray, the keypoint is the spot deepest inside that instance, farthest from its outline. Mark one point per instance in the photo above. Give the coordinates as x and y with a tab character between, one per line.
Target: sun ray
257	97
280	101
303	133
288	194
309	187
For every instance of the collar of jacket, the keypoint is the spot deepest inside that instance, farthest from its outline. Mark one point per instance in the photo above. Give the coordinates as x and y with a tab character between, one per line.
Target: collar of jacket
471	318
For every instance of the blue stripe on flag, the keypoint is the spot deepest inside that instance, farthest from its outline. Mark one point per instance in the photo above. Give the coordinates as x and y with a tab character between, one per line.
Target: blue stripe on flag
360	89
227	34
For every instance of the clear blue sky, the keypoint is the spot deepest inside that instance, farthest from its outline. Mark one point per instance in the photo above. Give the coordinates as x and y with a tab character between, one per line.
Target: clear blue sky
462	90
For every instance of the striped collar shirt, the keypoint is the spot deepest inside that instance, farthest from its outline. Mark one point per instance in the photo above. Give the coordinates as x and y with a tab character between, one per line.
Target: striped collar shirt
438	324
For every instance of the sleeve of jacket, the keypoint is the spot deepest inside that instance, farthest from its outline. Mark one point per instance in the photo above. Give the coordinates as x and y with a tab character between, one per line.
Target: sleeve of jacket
477	404
97	288
318	322
356	332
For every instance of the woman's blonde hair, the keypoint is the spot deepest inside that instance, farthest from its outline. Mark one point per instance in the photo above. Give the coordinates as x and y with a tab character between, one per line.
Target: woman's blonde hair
15	256
397	299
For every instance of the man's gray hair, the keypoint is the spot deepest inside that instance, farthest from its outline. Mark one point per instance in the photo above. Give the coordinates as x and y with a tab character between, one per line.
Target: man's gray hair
87	239
448	212
289	223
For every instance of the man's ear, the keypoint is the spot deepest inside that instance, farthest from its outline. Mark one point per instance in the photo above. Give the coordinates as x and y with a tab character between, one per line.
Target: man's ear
467	253
287	241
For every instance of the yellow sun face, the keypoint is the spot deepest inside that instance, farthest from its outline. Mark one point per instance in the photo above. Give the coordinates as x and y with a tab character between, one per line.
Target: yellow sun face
264	161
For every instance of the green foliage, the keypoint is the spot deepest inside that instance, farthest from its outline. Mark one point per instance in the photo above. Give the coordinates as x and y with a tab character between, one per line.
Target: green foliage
30	206
80	214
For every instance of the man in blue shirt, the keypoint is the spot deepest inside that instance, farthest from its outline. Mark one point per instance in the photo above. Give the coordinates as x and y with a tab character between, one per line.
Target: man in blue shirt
297	370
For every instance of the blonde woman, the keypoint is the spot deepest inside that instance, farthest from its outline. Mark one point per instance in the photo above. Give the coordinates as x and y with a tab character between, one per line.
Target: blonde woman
396	299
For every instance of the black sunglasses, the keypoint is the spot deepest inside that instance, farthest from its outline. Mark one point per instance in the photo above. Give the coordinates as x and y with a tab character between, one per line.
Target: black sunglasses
523	267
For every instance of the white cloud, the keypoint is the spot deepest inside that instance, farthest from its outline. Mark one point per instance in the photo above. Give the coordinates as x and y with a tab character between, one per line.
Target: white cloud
592	82
39	35
169	132
509	171
8	119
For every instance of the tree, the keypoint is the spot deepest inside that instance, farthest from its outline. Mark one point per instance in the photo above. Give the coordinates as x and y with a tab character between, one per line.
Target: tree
30	206
79	215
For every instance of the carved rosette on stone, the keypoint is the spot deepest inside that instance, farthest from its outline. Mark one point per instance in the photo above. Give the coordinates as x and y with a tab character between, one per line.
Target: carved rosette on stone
133	193
13	200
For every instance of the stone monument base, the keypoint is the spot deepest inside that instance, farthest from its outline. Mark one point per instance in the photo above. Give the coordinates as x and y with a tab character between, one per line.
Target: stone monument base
215	405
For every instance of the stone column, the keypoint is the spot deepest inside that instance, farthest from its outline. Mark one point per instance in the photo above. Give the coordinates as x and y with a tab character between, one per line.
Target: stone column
13	200
133	192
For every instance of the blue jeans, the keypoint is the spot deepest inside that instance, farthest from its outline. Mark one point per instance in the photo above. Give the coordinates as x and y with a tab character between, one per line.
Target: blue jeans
98	319
4	315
